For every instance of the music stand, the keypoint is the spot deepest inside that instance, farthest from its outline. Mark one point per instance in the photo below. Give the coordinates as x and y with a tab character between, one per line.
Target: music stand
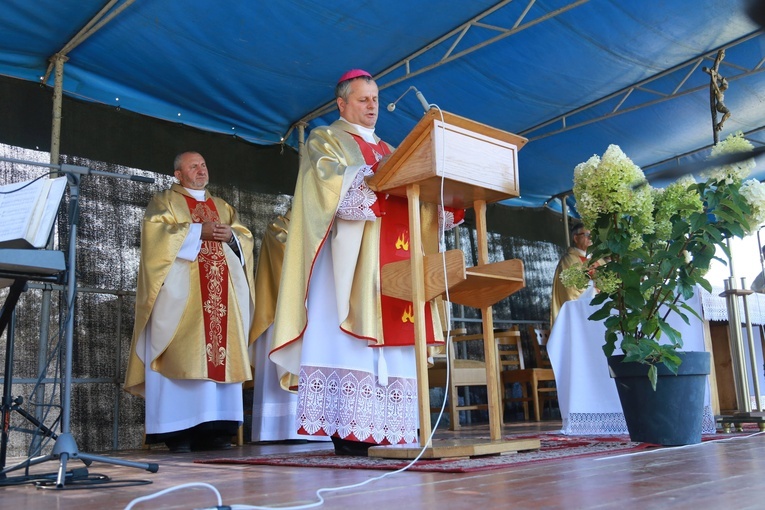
65	447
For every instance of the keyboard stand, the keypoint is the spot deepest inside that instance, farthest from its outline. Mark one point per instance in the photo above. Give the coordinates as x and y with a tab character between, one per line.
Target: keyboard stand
65	447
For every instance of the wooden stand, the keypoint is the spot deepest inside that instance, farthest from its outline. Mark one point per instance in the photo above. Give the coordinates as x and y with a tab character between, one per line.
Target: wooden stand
455	162
742	410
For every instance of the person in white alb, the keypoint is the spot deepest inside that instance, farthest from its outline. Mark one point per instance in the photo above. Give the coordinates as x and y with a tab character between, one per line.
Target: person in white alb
193	314
348	348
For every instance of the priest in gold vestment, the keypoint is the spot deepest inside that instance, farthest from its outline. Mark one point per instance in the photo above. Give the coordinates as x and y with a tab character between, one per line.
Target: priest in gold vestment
273	407
576	254
193	314
350	347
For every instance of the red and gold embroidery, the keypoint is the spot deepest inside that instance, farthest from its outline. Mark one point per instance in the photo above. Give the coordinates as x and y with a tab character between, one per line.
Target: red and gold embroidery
213	279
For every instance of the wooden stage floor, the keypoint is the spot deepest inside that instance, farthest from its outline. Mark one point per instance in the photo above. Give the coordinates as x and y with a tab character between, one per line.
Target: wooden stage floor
722	474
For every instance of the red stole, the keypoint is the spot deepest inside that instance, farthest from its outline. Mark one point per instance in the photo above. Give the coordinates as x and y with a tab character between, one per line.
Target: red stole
213	279
397	314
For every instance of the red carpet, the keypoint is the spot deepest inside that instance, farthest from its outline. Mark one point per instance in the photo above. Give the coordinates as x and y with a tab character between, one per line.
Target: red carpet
553	447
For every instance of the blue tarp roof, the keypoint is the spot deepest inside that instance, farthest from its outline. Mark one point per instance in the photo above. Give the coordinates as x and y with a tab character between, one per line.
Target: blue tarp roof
573	76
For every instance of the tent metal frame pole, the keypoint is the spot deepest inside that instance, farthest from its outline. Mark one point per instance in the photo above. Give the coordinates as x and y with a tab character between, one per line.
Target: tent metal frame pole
90	28
45	305
56	64
301	139
58	95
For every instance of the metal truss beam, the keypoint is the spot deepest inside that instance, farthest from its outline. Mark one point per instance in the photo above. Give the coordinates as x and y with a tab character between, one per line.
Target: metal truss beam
454	51
686	70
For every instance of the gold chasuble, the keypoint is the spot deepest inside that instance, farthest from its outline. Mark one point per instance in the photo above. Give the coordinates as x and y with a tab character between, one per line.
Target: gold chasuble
331	161
561	293
269	272
195	315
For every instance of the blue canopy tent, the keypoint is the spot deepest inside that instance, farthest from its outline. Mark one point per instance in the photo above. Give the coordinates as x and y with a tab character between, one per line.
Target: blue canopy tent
573	76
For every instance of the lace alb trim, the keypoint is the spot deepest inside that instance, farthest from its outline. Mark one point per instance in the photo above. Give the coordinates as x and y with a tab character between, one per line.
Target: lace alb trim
716	307
351	405
586	424
357	203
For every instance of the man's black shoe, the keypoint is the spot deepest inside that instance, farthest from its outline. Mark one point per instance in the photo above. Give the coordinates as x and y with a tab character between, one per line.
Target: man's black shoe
351	448
212	443
181	445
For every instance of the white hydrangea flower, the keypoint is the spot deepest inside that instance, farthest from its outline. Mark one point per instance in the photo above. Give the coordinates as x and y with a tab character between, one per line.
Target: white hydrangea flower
754	193
734	172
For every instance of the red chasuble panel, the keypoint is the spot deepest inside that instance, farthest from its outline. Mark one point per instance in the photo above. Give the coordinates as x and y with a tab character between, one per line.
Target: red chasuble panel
397	315
213	279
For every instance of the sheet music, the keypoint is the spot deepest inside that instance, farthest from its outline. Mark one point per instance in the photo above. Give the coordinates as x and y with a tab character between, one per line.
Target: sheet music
27	212
17	208
49	211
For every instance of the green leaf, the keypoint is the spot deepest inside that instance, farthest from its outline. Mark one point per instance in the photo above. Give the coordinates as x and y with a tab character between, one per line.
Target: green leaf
653	376
601	314
672	334
705	284
633	298
599	298
698	221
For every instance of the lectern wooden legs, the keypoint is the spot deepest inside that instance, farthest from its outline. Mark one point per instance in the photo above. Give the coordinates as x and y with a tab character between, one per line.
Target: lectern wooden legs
459	448
418	303
489	347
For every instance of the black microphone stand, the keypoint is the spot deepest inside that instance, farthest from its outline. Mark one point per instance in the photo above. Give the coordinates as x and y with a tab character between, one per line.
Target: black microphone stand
65	447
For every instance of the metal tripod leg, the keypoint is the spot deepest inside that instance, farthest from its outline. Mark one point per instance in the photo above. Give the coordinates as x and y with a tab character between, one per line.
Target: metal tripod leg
66	447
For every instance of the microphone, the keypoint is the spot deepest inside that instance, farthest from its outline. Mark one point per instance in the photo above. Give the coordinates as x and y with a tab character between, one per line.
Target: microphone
420	97
425	104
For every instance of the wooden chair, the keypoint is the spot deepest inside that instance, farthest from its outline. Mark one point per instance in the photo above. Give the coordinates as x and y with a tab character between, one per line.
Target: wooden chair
547	391
464	373
534	381
512	369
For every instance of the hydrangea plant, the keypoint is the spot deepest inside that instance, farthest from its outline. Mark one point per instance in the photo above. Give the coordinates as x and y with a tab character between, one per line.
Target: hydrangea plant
657	244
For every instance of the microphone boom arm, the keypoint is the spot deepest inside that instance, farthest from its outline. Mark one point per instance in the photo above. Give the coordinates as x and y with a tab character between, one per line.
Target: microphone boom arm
420	97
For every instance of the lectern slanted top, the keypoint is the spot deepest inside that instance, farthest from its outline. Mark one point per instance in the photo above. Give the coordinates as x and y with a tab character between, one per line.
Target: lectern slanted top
476	161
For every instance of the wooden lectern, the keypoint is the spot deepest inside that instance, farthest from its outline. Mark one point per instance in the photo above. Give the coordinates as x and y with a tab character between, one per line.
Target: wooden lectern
450	160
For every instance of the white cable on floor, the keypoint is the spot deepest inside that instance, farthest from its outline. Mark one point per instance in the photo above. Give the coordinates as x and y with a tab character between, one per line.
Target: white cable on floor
171	489
662	449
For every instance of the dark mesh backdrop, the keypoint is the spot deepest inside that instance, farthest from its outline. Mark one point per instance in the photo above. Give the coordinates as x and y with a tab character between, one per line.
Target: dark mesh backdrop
103	416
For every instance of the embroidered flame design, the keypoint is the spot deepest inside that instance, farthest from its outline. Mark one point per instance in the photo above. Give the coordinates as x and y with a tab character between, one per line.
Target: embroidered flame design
402	243
407	316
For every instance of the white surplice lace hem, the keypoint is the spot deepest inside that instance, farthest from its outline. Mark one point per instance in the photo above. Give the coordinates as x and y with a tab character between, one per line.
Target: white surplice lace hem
583	424
348	404
357	203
